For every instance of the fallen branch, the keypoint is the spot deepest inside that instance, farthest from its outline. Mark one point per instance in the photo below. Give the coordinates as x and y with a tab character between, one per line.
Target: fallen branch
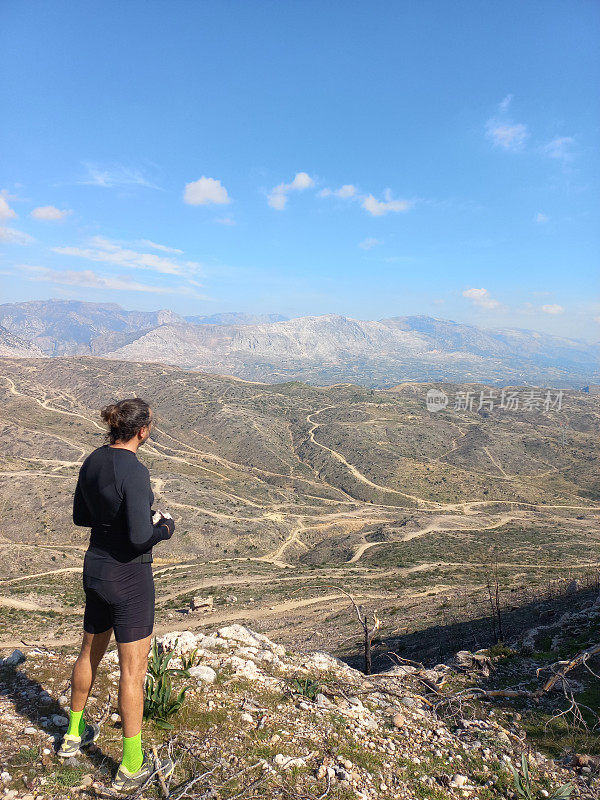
161	780
580	658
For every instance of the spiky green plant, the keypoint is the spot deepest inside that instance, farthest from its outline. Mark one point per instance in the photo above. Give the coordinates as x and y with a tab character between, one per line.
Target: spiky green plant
526	790
188	660
160	702
307	687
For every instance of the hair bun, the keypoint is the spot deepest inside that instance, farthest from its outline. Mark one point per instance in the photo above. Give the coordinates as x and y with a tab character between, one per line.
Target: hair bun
110	415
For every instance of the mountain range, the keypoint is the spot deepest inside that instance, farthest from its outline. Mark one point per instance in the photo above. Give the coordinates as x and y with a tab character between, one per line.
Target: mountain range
325	349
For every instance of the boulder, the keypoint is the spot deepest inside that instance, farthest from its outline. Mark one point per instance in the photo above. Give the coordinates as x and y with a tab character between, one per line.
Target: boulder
14	659
243	668
178	641
204	674
202	603
239	633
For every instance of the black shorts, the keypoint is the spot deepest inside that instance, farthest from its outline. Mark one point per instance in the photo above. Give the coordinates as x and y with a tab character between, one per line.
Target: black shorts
123	599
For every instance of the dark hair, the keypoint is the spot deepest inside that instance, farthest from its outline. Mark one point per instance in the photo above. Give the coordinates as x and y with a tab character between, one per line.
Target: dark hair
125	418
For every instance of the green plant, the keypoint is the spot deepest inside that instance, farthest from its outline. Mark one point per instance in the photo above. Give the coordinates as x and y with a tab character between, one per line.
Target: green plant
160	702
307	687
500	650
188	660
525	789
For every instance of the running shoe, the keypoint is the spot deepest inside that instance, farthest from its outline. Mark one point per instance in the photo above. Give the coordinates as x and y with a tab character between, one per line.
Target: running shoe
126	781
71	744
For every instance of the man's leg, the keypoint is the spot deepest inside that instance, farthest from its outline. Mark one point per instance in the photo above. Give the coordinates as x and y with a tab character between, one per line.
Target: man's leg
84	671
133	659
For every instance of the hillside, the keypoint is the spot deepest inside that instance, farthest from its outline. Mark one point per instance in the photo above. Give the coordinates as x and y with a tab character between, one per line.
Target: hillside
260	720
15	346
279	490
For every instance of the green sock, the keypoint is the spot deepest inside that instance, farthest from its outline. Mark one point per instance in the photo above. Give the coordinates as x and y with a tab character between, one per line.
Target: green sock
76	723
132	752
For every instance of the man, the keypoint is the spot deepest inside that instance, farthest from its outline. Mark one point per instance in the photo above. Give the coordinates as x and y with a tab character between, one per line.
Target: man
114	497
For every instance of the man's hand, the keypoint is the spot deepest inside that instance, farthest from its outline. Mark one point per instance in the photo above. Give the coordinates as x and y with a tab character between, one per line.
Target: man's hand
158	515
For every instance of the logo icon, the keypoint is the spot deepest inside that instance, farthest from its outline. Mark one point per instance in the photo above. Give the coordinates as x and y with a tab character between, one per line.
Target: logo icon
436	400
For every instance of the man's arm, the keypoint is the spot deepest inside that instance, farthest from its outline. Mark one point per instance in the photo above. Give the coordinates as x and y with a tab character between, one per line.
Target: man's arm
81	512
142	533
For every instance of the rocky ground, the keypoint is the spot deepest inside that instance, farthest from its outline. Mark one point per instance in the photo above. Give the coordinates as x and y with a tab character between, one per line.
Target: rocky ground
262	721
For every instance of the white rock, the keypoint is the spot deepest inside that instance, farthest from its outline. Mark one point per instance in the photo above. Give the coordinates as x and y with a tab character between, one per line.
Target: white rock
324	661
115	717
247	652
203	673
202	603
244	669
5	777
29	730
246	717
63	700
323	701
239	633
458	780
178	642
287	762
212	642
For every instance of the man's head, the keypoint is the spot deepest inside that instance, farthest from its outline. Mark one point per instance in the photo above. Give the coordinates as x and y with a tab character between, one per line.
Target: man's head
130	422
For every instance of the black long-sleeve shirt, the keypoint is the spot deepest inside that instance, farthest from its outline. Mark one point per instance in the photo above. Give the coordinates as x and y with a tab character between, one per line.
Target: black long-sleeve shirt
114	497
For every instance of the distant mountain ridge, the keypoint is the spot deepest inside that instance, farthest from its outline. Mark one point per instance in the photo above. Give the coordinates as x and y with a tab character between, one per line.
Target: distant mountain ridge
16	347
324	349
235	318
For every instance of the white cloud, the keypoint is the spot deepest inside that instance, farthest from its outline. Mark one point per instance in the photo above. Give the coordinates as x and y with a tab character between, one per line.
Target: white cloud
277	197
163	248
6	212
345	191
109	252
552	308
367	244
560	148
541	218
510	137
116	175
503	132
481	298
503	106
225	221
205	191
89	279
50	213
13	236
379	207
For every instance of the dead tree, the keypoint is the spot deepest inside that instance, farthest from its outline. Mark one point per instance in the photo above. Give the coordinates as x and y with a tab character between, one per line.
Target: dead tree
368	632
493	587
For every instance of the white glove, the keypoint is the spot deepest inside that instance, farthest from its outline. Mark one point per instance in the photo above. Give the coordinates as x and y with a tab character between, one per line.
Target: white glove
156	517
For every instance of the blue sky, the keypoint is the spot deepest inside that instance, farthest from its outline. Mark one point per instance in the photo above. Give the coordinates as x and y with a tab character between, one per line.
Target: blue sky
371	159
